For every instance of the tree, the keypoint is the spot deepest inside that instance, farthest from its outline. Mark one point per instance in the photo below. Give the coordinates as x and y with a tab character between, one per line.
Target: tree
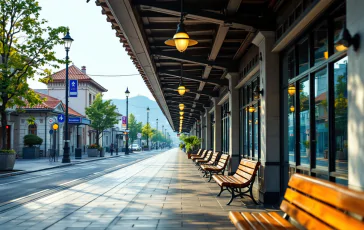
102	115
135	127
26	47
147	132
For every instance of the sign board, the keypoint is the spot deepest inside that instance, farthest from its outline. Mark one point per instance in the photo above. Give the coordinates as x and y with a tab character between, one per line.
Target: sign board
123	119
51	120
60	118
139	135
74	120
73	88
51	131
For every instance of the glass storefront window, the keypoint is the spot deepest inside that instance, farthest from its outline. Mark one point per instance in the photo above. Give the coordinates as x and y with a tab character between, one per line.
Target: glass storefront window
341	115
321	119
291	128
320	44
338	23
250	121
304	97
303	57
291	65
256	132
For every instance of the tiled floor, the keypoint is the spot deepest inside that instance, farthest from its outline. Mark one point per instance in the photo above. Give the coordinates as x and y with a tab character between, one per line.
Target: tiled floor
163	192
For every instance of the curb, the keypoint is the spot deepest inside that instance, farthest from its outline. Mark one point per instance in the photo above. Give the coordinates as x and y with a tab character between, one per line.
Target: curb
58	166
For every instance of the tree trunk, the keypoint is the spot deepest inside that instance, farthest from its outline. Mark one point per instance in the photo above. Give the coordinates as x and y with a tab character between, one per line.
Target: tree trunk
3	129
97	138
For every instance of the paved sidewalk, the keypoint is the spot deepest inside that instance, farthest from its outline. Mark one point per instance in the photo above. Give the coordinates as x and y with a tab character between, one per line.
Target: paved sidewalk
162	192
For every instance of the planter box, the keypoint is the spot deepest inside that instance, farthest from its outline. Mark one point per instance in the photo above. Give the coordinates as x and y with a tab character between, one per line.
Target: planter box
7	161
30	152
102	153
92	152
189	155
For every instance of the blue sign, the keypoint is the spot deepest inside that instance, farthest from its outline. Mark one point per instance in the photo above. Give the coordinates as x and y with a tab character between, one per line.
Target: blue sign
73	88
60	118
74	120
51	131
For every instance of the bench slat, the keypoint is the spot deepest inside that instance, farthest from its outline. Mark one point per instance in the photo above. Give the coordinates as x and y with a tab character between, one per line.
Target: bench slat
239	221
252	221
243	175
246	169
267	221
281	220
249	163
302	217
322	211
329	192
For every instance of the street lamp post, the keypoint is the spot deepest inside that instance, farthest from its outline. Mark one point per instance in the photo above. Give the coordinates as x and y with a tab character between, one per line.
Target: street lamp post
157	135
66	150
127	93
112	141
148	127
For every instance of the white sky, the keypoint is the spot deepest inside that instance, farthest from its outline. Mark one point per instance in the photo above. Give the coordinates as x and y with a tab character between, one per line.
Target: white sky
95	46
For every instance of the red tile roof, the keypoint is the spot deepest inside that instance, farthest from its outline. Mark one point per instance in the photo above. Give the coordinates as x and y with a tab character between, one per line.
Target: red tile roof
51	103
75	73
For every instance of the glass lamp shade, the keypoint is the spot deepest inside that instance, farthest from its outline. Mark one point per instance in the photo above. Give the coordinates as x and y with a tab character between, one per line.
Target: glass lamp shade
181	113
67	41
181	90
326	55
127	93
181	106
251	109
340	48
291	108
181	117
55	126
291	90
181	40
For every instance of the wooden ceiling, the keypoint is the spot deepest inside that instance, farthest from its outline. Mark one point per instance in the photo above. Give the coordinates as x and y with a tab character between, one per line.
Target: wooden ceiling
224	30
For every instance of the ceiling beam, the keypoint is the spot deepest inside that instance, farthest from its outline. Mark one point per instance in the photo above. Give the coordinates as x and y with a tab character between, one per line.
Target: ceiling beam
174	9
207	93
222	82
171	101
186	58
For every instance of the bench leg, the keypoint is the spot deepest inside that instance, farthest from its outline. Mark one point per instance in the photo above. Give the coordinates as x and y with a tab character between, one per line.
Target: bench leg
232	196
221	190
210	176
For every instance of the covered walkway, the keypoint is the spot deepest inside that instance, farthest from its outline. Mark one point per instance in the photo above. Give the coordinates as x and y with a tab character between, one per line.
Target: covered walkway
162	192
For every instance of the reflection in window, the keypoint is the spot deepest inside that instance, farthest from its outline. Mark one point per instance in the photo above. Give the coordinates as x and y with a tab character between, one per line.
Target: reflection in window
320	44
304	97
303	57
341	114
32	129
291	65
246	134
291	128
339	22
256	131
321	118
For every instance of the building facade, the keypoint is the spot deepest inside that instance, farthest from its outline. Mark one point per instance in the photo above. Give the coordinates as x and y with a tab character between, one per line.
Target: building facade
279	84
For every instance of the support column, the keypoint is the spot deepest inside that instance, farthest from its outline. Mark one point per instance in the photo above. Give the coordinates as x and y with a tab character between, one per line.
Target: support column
217	127
203	131
234	150
208	130
269	174
355	19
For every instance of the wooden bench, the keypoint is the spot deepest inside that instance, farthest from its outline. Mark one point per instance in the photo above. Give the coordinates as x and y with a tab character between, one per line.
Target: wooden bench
313	203
216	169
199	152
242	179
202	156
206	159
213	161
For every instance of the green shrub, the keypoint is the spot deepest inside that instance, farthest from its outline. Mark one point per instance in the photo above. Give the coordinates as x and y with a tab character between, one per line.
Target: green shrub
7	151
181	146
31	140
192	142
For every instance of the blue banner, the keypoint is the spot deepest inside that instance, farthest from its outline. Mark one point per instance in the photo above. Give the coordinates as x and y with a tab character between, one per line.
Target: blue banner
74	120
73	88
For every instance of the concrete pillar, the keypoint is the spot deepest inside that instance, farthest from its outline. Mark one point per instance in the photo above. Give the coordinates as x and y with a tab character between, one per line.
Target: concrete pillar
234	139
203	131
355	19
217	127
269	190
208	129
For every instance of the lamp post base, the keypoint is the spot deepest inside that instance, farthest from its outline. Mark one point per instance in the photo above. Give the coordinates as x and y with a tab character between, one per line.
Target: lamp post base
66	155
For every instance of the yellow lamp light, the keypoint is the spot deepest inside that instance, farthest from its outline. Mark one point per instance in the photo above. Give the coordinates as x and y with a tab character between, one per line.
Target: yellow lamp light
181	113
181	40
251	109
181	117
341	48
291	90
55	126
181	90
181	106
291	108
326	55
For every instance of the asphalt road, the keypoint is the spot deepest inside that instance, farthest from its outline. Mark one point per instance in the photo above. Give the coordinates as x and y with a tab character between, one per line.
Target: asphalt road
14	187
